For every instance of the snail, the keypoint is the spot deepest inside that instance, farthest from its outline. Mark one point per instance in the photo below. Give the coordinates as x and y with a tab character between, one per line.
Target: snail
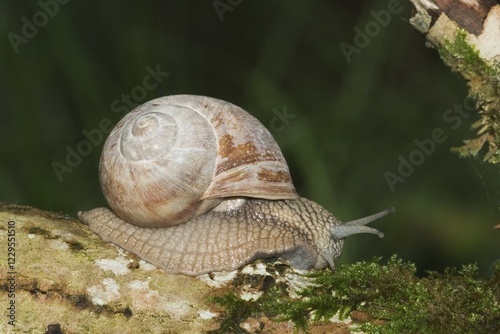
196	185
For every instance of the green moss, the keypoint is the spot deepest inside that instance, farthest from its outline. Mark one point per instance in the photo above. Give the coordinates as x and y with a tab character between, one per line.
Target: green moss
236	311
465	58
457	301
484	86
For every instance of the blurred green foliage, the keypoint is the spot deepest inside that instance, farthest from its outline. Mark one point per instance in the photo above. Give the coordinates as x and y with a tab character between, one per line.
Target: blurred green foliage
352	120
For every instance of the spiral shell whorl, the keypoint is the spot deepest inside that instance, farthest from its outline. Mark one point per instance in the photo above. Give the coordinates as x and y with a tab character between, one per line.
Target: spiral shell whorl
147	129
176	157
145	163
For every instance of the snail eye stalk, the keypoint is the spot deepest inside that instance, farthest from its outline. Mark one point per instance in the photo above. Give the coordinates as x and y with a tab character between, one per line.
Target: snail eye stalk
359	226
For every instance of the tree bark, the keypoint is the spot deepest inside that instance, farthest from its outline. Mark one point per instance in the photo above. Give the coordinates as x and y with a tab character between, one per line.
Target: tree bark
59	277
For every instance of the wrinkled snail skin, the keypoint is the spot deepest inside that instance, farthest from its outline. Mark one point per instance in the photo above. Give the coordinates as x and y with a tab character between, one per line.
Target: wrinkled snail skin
226	240
297	230
197	184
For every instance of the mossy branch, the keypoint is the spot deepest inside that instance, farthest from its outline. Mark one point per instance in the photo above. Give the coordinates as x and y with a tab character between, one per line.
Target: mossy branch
466	37
383	298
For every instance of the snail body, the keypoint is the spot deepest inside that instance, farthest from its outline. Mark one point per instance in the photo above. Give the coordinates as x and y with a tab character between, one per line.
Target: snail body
197	184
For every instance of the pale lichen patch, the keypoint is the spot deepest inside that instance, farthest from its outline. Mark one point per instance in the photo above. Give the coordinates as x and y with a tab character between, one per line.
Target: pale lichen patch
206	314
175	306
145	298
58	244
218	279
104	293
118	265
138	285
251	295
258	268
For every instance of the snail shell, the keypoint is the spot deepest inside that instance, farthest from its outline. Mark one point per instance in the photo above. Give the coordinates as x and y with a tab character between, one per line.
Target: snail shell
176	157
197	184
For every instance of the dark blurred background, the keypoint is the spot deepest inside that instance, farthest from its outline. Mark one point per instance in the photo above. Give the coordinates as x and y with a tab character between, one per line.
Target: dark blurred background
67	65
